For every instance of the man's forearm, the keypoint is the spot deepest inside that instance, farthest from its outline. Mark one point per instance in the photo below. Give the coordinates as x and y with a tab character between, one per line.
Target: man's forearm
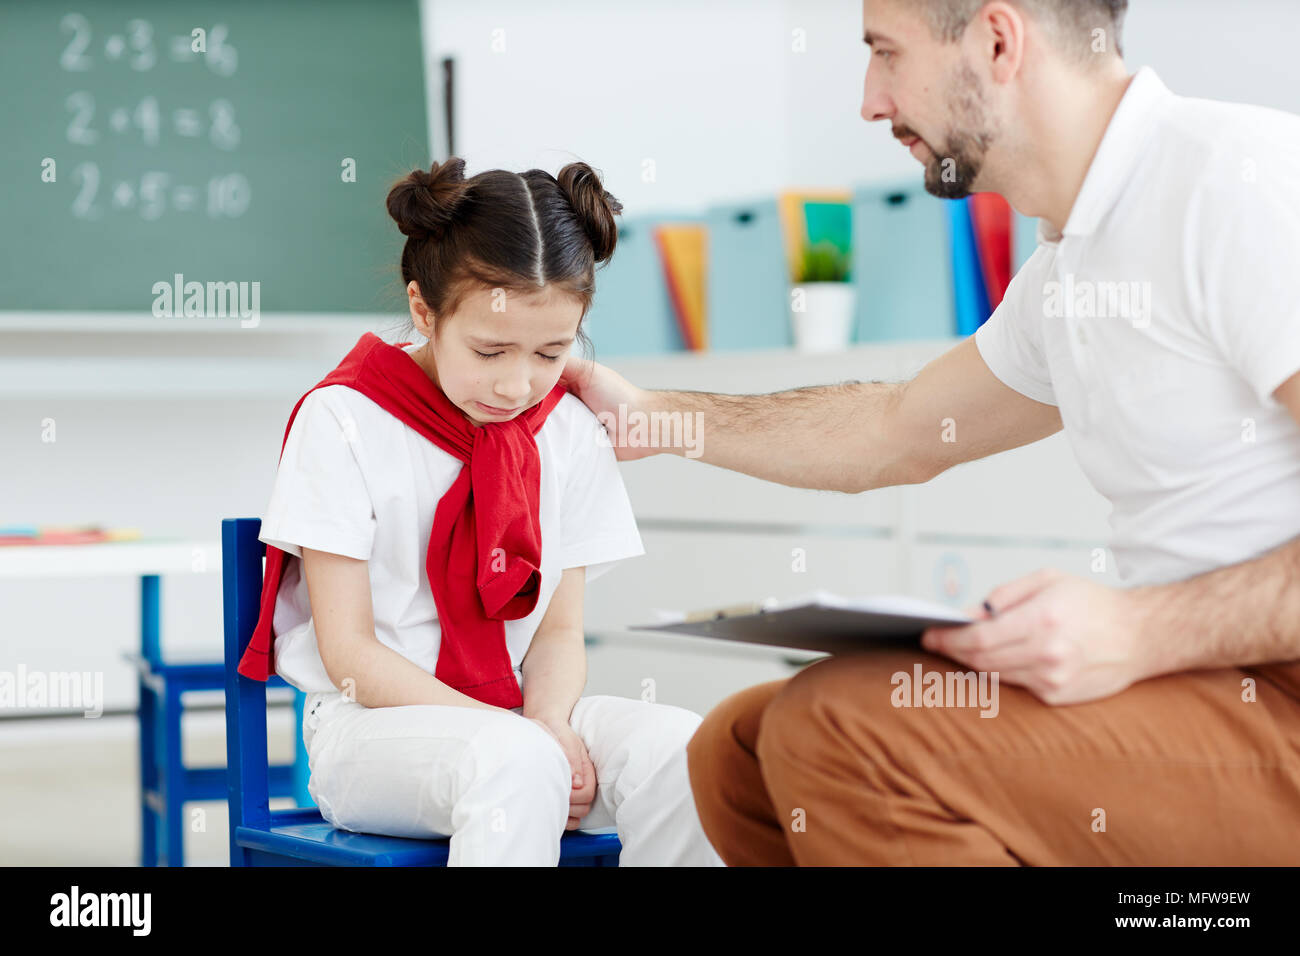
830	437
1243	614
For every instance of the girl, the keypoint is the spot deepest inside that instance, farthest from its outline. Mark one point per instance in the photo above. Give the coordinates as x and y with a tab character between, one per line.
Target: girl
438	508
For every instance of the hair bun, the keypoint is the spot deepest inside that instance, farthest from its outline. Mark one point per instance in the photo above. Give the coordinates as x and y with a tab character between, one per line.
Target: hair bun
594	207
424	204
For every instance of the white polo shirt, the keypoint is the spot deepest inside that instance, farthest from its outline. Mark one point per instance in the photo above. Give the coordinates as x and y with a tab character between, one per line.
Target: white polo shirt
1161	320
354	480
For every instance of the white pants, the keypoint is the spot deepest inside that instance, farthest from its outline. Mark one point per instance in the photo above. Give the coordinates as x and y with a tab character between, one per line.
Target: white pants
499	785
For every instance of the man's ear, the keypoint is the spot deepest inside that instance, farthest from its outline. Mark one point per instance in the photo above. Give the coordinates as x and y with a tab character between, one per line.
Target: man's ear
1004	32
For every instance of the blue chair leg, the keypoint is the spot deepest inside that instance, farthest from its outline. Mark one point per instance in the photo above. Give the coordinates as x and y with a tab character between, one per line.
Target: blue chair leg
174	775
301	771
148	775
150	650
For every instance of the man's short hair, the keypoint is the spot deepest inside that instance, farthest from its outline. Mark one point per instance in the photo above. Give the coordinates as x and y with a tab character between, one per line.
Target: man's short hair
1074	26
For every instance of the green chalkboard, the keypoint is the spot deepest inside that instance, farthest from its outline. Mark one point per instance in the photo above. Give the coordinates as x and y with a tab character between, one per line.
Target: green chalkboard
226	165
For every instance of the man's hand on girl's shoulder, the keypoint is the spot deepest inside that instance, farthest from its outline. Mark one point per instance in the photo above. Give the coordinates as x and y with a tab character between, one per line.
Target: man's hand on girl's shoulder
613	400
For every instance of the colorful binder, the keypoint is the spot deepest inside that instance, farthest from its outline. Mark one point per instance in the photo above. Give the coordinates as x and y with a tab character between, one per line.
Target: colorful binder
683	252
972	299
632	313
991	217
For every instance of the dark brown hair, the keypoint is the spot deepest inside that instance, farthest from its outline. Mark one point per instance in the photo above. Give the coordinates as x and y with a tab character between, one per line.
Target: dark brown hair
516	231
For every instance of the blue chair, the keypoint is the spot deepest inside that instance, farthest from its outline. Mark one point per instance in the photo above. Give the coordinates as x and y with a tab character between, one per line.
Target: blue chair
166	782
260	836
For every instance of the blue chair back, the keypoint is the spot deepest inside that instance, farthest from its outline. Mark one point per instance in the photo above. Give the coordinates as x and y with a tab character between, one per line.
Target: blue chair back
246	755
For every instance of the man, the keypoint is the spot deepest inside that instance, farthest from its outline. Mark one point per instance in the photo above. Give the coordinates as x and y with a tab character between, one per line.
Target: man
1158	723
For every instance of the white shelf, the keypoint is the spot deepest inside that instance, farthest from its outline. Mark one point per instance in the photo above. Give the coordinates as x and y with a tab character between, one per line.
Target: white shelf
110	558
156	378
269	323
277	376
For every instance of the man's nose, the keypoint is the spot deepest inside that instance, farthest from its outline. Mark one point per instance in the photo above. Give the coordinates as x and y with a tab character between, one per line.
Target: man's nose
876	104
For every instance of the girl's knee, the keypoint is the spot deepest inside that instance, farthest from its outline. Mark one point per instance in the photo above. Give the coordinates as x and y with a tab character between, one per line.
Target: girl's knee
665	731
518	751
677	723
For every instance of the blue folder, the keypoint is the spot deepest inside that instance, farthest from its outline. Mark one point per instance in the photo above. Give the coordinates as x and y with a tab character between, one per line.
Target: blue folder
631	312
902	264
1024	240
971	293
748	278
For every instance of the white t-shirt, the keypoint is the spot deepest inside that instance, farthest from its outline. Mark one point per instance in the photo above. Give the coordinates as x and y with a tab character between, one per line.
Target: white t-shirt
1161	320
354	480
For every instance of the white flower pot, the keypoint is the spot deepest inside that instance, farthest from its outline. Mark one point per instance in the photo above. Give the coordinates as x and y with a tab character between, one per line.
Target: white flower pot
822	316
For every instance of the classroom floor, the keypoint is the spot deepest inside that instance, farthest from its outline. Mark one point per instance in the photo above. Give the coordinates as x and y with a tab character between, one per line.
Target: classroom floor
70	796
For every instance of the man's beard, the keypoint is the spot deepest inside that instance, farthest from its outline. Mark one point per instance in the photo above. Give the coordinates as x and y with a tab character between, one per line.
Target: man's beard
952	175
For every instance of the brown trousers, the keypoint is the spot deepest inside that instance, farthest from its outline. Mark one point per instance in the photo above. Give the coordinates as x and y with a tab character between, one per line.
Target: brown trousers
823	769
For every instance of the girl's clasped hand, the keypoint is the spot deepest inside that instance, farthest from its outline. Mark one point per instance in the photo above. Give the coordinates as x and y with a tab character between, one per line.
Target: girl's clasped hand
583	782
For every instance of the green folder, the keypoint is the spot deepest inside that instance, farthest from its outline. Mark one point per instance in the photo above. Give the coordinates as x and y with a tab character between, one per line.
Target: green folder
830	222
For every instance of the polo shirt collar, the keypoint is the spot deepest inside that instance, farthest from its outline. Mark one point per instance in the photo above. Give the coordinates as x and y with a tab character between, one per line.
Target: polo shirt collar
1117	156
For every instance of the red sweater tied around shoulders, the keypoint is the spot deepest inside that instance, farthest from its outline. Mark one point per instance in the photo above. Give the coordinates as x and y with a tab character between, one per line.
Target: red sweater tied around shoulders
485	552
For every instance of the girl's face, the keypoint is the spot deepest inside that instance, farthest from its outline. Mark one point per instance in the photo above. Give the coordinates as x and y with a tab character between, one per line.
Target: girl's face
497	355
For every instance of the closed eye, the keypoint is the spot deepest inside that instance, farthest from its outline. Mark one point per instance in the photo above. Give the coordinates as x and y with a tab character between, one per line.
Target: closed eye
490	355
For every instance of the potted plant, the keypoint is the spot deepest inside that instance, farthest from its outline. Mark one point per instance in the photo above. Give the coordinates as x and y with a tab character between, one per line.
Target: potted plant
822	300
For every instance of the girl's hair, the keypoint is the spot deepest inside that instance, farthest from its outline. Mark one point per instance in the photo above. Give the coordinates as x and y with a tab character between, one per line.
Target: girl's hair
514	231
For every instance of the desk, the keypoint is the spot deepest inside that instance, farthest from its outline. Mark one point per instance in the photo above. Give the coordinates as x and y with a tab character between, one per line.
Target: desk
148	559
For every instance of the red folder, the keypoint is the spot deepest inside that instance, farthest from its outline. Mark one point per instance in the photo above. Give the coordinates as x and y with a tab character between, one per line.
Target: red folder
991	217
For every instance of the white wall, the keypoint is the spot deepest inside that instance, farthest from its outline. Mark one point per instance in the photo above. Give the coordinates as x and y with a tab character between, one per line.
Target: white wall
713	92
696	88
1242	51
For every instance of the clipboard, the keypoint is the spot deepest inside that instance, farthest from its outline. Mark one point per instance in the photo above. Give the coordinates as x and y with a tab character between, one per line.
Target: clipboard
821	621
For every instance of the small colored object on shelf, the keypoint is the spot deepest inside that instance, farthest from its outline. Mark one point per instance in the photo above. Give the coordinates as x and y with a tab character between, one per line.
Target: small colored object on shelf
830	224
819	240
824	262
12	535
801	226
